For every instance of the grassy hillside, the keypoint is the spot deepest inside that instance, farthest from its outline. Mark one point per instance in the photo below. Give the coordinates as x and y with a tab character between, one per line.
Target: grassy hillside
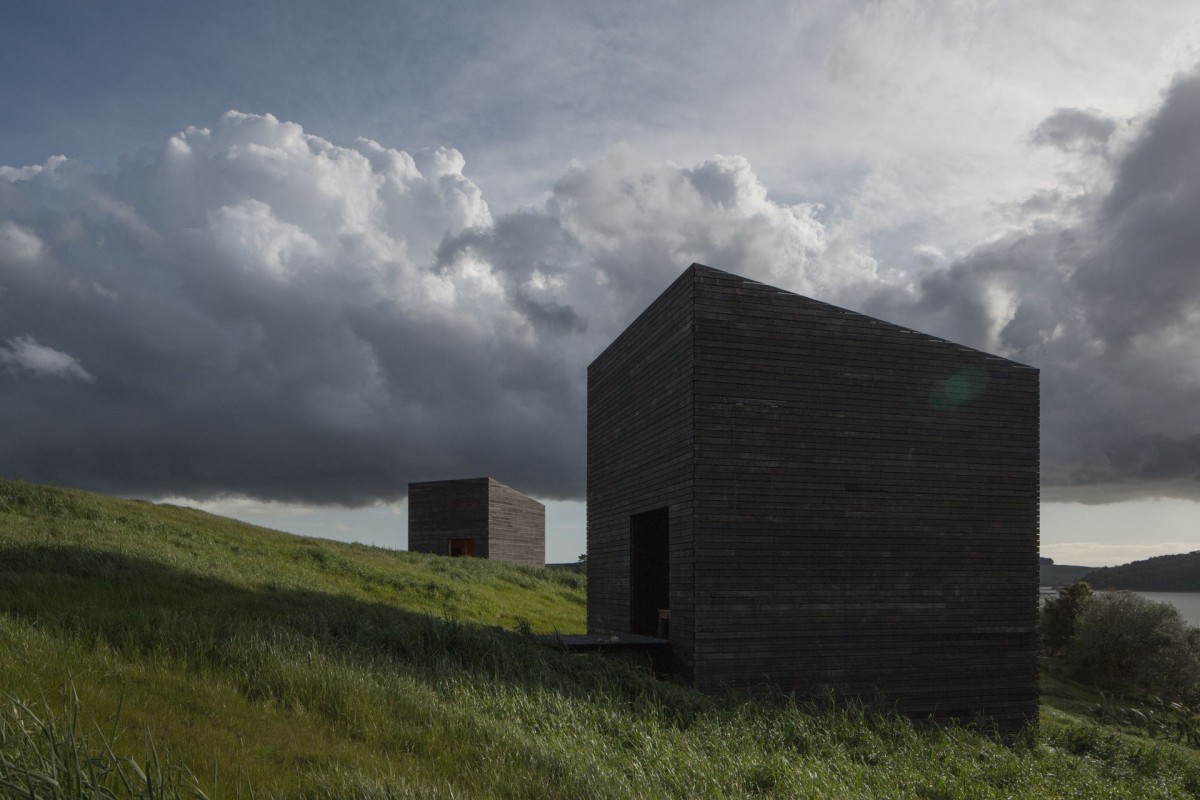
1175	573
244	660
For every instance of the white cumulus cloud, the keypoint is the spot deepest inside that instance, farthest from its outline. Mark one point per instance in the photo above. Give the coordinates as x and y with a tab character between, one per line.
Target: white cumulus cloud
281	316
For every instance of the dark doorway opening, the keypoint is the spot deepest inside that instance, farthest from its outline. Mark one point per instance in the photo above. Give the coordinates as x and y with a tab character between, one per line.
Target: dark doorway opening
462	547
650	573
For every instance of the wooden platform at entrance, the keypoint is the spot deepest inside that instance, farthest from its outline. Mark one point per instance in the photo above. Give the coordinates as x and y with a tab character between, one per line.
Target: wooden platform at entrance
648	651
582	642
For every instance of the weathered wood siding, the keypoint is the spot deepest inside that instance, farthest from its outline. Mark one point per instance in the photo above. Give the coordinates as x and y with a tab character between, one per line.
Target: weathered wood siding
866	507
516	527
864	501
640	459
506	525
439	510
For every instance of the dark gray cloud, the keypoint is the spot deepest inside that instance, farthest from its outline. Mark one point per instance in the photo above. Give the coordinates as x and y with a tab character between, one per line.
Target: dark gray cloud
1143	278
1074	129
1102	292
251	311
255	310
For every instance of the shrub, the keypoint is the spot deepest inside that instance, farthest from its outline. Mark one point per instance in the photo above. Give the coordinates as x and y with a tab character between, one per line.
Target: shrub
1125	638
1057	625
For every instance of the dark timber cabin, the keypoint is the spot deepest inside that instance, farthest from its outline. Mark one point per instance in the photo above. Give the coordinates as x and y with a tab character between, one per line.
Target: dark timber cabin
800	495
478	517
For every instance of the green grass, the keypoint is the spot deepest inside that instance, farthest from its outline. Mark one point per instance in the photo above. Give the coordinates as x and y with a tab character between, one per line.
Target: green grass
1067	696
207	655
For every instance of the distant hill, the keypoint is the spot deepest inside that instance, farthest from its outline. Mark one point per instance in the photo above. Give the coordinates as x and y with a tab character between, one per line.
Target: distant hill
1177	573
1051	574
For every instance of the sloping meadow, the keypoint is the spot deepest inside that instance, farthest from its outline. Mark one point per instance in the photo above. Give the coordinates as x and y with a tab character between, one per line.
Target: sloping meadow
159	651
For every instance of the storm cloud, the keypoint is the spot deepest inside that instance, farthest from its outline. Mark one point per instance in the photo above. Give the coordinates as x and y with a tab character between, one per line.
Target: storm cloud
257	311
1100	288
254	310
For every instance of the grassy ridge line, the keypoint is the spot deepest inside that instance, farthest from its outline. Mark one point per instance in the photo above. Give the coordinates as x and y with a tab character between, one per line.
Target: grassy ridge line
97	533
301	668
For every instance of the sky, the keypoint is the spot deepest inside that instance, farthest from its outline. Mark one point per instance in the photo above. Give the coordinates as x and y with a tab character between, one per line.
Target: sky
279	259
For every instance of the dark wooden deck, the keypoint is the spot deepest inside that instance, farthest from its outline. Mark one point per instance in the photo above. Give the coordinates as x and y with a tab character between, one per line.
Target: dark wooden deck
596	641
648	651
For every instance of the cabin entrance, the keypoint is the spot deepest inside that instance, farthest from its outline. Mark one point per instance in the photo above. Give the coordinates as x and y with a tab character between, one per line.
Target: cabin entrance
650	573
462	546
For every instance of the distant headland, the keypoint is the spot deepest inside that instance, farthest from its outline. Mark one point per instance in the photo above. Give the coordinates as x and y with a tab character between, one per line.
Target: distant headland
1173	573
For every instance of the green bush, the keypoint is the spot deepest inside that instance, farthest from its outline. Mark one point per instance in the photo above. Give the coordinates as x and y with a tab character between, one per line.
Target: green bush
1060	614
1121	637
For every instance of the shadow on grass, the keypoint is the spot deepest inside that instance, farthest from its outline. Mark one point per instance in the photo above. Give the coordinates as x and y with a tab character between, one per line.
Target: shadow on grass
141	607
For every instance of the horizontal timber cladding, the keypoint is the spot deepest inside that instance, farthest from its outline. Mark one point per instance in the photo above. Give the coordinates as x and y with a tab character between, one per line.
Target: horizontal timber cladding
441	510
516	527
640	459
504	524
853	505
865	507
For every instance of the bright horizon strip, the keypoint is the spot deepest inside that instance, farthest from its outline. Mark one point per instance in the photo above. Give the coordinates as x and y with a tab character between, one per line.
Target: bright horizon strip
1071	533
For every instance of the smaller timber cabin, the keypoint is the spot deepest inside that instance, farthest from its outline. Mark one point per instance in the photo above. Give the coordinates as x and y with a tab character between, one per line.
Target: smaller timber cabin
476	517
798	495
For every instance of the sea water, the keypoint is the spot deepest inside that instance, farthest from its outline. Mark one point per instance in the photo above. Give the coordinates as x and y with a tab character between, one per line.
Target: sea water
1188	603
